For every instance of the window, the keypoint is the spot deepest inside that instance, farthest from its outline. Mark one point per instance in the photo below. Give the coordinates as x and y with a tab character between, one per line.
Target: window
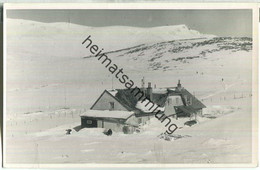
112	105
177	101
186	100
89	122
189	101
169	101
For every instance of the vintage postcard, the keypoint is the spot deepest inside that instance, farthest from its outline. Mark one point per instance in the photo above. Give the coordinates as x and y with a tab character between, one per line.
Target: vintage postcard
130	85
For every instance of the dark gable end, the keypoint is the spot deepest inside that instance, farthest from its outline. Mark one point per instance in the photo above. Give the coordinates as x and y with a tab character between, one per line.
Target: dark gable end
196	104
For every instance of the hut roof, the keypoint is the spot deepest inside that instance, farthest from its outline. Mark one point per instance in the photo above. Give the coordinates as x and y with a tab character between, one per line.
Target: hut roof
159	97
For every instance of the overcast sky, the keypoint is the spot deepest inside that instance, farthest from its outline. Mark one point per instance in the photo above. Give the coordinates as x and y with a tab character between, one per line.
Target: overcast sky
218	22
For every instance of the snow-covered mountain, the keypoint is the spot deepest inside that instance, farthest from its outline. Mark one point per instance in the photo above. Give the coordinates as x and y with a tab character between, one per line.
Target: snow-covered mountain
63	39
167	55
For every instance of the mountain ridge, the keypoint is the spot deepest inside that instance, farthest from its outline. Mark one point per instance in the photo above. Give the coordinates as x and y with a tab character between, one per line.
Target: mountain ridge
109	37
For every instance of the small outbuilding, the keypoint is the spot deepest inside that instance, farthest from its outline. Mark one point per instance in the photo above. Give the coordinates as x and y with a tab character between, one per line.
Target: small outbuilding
108	119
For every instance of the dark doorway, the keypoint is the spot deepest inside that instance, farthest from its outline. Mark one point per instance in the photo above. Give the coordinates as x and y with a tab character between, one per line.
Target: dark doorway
88	122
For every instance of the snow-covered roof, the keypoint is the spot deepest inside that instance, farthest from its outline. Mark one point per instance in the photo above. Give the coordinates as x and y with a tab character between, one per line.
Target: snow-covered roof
108	114
163	90
160	90
148	107
112	92
172	88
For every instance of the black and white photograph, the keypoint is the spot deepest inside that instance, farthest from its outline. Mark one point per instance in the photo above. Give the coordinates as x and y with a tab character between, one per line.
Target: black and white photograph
159	85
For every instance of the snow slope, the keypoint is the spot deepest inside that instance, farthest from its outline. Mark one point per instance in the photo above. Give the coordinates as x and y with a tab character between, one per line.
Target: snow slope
226	139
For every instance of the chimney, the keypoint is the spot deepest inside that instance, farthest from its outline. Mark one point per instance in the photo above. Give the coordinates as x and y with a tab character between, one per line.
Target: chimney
143	84
149	92
179	85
